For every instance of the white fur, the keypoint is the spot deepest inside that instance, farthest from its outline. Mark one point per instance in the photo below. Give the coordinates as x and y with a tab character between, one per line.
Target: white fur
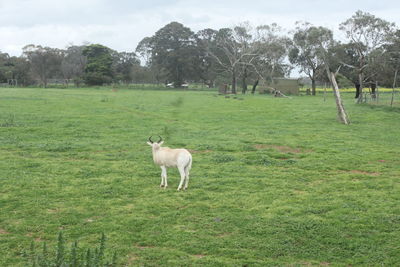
166	157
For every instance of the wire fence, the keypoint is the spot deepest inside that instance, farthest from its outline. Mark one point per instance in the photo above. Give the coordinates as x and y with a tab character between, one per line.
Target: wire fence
385	98
382	96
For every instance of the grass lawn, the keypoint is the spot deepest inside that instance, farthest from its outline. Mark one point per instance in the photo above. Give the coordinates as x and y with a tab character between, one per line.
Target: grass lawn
275	181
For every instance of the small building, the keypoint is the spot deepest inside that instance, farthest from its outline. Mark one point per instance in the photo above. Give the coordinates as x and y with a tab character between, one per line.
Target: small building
286	86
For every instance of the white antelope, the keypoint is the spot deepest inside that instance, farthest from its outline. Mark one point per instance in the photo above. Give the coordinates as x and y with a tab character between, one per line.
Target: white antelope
167	157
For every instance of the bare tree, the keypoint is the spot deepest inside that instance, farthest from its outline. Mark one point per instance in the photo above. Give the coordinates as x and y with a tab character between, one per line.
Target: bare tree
232	51
244	50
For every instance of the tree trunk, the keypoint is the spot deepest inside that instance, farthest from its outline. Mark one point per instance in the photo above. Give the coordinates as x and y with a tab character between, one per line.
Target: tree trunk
253	90
341	111
313	90
373	90
233	82
361	82
357	86
244	84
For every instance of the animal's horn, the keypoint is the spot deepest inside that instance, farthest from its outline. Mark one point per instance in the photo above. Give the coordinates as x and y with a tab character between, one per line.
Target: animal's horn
150	140
160	139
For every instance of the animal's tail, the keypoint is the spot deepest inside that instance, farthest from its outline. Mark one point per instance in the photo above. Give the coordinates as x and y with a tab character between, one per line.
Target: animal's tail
189	165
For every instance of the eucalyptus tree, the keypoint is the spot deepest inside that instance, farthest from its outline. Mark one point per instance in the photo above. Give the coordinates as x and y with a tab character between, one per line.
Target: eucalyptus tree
271	48
18	69
233	53
4	67
226	54
327	51
392	56
374	71
124	65
260	52
142	74
345	55
245	37
144	50
98	69
45	62
304	51
73	64
173	51
206	41
366	33
392	49
14	70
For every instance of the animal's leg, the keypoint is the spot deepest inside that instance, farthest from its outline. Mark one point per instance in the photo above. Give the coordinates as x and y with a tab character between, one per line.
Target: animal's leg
182	173
186	178
163	177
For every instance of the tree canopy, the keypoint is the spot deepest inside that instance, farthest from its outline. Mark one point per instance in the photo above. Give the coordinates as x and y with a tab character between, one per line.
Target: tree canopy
242	54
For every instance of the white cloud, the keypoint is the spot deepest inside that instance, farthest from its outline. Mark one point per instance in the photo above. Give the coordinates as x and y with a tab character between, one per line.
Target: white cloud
121	24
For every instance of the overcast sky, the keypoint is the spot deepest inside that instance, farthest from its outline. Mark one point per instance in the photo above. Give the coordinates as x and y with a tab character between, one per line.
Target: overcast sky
121	24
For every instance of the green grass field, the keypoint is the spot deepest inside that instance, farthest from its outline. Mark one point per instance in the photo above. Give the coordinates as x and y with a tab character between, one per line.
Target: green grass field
275	181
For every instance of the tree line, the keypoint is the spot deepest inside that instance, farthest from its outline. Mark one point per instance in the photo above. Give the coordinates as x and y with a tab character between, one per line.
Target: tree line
240	56
91	64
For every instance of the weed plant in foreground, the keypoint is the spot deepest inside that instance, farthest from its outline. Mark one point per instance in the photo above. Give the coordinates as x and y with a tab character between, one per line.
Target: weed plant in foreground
275	181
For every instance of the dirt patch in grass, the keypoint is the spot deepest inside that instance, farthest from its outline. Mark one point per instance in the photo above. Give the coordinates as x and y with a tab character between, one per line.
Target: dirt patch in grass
3	232
282	149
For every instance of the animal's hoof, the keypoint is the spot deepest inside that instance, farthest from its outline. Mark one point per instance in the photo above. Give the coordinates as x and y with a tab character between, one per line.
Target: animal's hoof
161	185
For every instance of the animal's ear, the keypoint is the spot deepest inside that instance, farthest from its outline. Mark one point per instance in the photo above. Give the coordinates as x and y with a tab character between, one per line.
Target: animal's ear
162	142
150	144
